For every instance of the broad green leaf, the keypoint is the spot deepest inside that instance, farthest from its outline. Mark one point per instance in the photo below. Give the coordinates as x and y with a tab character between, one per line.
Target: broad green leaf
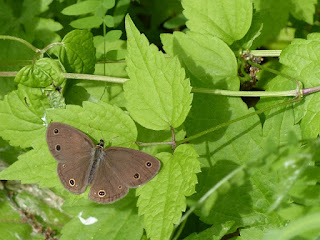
87	22
166	193
34	166
7	85
117	221
21	114
213	65
158	95
274	16
301	58
280	122
228	20
244	201
81	8
254	32
8	154
303	10
42	74
78	52
212	233
99	121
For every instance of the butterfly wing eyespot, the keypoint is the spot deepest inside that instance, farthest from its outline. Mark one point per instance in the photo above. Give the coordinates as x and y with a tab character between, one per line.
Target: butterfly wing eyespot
72	182
148	164
55	131
120	187
136	176
102	193
58	147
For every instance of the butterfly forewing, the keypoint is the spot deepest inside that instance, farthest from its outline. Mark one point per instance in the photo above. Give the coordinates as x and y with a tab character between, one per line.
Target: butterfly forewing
132	167
74	152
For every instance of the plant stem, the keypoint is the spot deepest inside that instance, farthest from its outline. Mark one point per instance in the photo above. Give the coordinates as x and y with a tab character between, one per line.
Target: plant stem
210	130
6	37
289	93
95	77
265	53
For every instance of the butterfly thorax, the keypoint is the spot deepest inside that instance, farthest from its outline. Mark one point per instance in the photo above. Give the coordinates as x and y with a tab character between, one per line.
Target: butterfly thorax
98	155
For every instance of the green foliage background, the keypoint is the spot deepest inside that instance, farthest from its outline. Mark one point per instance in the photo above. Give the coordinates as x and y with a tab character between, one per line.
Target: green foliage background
262	172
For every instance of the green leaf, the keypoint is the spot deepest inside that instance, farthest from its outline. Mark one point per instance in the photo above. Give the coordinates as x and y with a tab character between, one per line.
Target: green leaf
158	95
42	74
305	67
100	121
303	10
175	22
21	114
108	20
35	166
212	233
8	153
308	223
213	65
81	8
87	22
166	193
274	16
108	4
228	20
78	52
117	221
120	11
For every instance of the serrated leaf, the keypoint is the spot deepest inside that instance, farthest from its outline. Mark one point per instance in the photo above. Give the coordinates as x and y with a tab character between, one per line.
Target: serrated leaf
303	10
158	95
81	8
43	73
95	221
87	22
166	193
99	121
213	65
20	116
78	52
242	200
302	60
228	20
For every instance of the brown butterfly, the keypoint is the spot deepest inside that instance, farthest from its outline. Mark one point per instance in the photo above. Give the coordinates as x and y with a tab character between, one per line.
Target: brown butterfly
109	171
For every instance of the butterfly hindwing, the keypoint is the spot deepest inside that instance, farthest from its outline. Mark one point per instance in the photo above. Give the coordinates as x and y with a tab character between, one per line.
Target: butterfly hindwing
106	187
